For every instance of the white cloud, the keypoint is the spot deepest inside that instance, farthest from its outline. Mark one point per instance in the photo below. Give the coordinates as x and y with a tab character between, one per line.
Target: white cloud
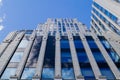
0	3
1	27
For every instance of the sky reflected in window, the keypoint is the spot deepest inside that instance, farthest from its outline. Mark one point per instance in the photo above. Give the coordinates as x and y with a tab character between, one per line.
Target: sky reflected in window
8	72
28	73
67	73
17	57
48	73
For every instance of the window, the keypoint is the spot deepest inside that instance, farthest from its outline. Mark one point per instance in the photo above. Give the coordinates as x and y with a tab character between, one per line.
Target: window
48	73
17	57
66	57
87	73
91	42
107	72
82	57
8	73
23	44
28	73
98	56
68	73
64	44
34	53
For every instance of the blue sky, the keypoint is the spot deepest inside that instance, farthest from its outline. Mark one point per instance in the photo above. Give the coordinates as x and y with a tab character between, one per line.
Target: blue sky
26	14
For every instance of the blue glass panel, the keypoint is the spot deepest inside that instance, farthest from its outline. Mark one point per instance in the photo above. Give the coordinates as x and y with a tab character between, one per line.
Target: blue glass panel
66	59
8	72
64	44
87	72
28	73
115	57
82	57
78	44
48	73
67	73
107	72
98	57
92	44
17	57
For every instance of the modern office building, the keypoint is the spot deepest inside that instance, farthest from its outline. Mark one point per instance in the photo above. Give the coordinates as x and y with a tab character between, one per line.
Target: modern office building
59	49
106	16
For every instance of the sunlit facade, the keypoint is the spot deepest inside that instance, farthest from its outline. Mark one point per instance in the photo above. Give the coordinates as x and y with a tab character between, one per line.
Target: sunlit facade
59	49
106	16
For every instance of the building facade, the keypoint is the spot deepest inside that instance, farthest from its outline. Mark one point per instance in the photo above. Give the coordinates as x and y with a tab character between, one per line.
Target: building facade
106	16
59	49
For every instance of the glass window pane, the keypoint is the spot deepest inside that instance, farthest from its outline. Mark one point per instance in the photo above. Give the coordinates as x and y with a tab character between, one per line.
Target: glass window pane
87	72
78	44
34	53
67	73
48	73
107	72
64	44
82	57
23	44
17	57
28	73
8	72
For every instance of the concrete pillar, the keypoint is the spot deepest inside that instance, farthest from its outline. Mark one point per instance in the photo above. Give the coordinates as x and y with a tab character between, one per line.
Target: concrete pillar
39	65
57	59
23	61
8	53
77	71
6	42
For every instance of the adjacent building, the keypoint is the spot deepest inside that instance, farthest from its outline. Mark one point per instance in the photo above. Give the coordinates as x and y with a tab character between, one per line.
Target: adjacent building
59	49
106	16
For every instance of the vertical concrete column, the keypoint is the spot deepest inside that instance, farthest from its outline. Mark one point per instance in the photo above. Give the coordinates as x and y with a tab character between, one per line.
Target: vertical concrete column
75	61
90	57
57	59
8	53
23	61
6	42
107	58
39	65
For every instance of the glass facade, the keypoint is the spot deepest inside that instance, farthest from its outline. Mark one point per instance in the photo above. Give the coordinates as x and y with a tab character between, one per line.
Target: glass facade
83	59
101	62
24	42
66	59
49	59
34	53
28	73
8	73
11	61
17	57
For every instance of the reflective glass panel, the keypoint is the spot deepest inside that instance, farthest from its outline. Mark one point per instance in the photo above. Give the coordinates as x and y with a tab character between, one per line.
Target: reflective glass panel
107	72
48	73
82	57
67	73
17	57
28	73
91	42
87	72
8	73
23	44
